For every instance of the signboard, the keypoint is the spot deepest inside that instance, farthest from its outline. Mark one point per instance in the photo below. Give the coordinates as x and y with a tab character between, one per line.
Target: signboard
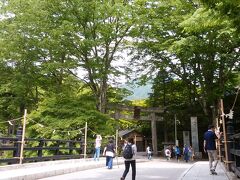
139	138
194	132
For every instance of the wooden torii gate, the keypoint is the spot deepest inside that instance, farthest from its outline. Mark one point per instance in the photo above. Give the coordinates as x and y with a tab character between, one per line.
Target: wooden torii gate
150	114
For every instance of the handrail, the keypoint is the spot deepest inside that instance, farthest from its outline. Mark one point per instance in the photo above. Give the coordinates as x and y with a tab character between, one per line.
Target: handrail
59	148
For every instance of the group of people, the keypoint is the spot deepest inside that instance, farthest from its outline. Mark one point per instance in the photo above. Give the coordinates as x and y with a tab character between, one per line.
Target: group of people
210	137
209	146
174	151
129	155
109	151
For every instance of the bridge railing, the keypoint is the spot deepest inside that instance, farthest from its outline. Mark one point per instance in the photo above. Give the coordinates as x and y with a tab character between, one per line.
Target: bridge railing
36	150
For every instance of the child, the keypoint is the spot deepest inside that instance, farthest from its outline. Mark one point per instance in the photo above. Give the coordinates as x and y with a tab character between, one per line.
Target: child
168	153
191	153
149	153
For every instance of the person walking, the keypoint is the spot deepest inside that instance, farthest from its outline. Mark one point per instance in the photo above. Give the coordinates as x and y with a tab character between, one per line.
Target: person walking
168	153
186	153
149	153
172	151
109	152
178	153
98	142
191	153
209	145
129	155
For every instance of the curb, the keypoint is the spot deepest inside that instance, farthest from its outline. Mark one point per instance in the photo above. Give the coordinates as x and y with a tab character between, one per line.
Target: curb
47	169
186	171
33	171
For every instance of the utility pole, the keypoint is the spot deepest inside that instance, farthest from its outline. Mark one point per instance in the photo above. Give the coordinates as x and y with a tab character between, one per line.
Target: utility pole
175	123
85	141
116	142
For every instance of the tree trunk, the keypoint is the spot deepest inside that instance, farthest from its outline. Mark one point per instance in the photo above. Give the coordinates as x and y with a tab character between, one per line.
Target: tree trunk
103	96
165	132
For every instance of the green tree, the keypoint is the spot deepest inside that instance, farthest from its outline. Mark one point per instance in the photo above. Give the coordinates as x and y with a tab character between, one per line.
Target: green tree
227	8
192	44
63	116
61	37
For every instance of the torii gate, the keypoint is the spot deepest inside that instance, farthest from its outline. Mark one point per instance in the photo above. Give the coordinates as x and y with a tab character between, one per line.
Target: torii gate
137	116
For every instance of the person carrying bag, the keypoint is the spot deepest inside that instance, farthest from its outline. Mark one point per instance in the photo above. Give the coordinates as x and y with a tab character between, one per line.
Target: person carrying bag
109	152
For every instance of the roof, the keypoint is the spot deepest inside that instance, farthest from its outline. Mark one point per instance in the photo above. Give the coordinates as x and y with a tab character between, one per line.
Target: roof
125	132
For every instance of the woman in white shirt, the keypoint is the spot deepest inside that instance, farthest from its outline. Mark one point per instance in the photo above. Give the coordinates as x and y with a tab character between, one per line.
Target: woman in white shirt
98	142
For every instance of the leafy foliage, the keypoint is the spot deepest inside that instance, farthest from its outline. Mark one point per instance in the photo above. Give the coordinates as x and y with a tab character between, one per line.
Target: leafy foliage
188	43
64	117
189	50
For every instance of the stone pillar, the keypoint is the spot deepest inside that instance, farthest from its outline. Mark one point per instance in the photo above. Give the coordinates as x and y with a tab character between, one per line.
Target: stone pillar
154	134
194	132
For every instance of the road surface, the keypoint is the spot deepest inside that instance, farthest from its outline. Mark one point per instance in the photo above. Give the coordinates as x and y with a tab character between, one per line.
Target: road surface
152	170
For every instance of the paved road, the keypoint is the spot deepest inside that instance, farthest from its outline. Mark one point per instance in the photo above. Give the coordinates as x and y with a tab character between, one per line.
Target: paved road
151	170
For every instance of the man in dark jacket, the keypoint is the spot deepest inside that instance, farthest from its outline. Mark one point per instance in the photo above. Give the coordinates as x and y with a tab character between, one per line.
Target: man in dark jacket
210	147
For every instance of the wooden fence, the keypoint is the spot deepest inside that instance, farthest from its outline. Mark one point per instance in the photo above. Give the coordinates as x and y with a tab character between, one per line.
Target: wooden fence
235	154
36	150
230	152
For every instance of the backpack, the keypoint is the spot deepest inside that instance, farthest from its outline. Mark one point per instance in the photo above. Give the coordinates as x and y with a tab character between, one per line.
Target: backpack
177	151
128	152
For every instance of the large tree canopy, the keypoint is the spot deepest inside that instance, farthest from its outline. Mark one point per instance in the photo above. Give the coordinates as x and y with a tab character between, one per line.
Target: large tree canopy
192	44
188	49
53	39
